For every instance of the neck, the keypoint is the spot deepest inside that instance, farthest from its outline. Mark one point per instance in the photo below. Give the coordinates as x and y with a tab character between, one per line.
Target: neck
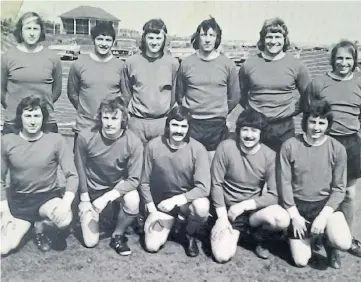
250	151
112	136
176	144
208	56
315	142
29	136
273	57
30	48
101	58
153	55
334	75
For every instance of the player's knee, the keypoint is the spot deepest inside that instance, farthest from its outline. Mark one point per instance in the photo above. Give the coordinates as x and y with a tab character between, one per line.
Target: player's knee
152	245
131	202
282	220
338	232
301	261
200	207
90	241
222	255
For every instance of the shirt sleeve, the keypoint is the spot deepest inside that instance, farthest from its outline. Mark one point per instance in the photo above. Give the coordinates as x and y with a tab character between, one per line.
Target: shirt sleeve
134	167
146	173
74	86
126	86
58	80
218	171
4	79
339	179
285	167
270	197
66	161
244	86
175	68
303	79
233	88
4	169
181	86
80	158
201	176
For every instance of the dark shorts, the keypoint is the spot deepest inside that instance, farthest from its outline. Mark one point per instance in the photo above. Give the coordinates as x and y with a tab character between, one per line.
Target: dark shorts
309	211
278	132
352	144
95	194
242	222
26	206
10	128
209	132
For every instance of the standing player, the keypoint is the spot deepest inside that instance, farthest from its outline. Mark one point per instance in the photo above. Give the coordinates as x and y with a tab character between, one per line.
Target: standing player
341	87
240	168
313	182
33	157
109	162
175	183
93	77
208	86
29	69
149	83
270	80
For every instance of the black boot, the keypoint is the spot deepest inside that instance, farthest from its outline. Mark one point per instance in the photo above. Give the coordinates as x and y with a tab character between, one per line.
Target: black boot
191	246
333	255
260	236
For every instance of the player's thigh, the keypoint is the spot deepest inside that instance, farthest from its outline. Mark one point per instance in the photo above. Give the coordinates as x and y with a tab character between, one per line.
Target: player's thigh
48	207
301	251
224	246
200	207
338	232
274	216
12	233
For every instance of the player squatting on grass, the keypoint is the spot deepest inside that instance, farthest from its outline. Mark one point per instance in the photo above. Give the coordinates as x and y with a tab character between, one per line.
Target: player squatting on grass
109	157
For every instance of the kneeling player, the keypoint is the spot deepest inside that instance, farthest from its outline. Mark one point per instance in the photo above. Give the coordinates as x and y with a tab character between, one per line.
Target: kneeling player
240	168
109	162
33	157
313	180
175	183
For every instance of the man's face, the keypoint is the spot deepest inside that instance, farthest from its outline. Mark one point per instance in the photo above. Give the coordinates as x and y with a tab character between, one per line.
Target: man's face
344	62
178	130
274	42
31	32
32	120
207	40
249	136
103	44
112	122
316	127
154	42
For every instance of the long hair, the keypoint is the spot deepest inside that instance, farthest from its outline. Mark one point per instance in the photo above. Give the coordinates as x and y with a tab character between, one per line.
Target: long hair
111	104
318	108
178	113
205	25
18	34
153	26
250	118
31	103
274	25
103	28
350	46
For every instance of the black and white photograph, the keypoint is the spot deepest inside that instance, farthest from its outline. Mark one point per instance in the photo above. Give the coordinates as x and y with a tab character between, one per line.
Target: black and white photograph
180	141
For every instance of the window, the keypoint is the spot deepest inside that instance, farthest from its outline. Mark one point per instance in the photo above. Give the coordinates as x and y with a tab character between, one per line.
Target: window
82	26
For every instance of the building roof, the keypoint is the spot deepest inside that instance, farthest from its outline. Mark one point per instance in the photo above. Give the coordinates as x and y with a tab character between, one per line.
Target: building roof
87	12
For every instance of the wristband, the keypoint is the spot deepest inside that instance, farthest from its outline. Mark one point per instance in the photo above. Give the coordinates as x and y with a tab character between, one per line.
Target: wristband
151	207
84	197
222	213
293	212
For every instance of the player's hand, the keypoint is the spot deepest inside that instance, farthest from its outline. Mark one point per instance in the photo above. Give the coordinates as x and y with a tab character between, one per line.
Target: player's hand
61	212
299	226
319	224
100	203
167	205
222	224
235	211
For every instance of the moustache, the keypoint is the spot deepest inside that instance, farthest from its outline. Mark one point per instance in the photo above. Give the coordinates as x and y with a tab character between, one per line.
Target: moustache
248	139
177	134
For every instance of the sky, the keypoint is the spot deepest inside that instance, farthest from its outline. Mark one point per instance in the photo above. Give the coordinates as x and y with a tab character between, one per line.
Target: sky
309	22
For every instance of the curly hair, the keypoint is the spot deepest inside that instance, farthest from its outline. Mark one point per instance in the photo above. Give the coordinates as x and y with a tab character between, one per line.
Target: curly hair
274	25
103	28
318	108
350	46
153	26
178	113
18	34
31	103
250	118
205	25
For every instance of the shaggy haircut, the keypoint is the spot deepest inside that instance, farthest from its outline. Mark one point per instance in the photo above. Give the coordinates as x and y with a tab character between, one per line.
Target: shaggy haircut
178	113
110	105
205	25
318	108
274	25
153	26
351	47
250	118
103	28
31	103
18	34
